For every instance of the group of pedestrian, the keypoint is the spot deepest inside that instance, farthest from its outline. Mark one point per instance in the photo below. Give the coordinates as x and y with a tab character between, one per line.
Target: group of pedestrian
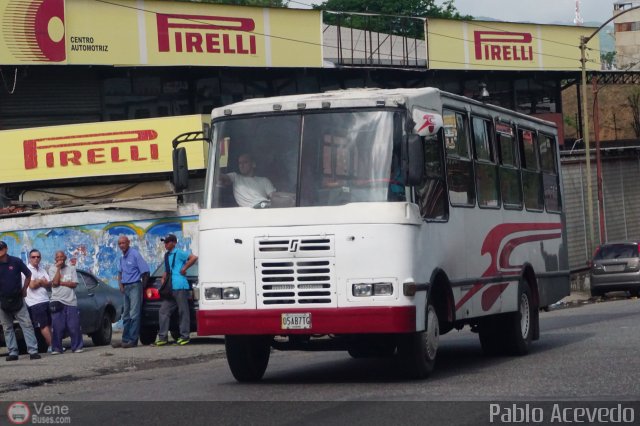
46	300
24	297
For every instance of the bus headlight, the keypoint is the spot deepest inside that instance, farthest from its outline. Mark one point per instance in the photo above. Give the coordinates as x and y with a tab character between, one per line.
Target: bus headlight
212	293
222	293
382	289
362	290
372	289
231	293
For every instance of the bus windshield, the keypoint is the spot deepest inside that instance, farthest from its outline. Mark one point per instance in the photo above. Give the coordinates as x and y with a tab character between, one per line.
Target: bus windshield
307	159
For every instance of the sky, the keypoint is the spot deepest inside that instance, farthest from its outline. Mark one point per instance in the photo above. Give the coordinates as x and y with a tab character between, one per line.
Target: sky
538	11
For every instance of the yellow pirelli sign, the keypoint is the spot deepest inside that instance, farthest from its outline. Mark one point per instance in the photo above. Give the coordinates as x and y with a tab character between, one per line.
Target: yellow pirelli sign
484	45
157	33
98	149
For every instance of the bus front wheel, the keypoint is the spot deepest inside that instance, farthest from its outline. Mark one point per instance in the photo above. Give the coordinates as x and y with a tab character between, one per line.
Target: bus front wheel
248	356
418	351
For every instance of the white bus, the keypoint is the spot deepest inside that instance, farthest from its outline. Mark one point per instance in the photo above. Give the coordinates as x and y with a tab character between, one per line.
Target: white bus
387	218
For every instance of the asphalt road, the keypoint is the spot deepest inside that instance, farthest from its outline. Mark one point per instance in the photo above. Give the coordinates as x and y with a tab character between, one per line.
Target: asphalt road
586	353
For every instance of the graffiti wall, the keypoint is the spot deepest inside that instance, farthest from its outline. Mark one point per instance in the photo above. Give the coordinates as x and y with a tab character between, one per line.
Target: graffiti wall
94	247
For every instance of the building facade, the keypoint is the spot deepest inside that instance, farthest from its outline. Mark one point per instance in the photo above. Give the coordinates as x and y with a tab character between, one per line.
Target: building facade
627	33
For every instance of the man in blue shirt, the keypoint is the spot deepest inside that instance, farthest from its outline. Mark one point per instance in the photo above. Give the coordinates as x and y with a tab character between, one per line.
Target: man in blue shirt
176	263
12	293
132	275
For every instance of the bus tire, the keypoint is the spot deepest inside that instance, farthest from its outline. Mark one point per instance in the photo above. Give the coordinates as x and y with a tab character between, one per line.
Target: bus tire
491	335
418	351
519	325
376	346
248	356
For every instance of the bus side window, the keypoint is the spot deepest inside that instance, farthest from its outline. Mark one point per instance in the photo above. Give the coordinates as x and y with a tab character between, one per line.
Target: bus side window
550	182
431	195
510	183
459	166
485	164
531	177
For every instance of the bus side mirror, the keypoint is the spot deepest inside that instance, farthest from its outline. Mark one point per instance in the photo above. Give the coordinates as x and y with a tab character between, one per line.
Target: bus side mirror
180	170
413	160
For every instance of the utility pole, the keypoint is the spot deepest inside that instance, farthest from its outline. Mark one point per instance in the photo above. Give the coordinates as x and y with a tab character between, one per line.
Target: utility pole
585	136
585	121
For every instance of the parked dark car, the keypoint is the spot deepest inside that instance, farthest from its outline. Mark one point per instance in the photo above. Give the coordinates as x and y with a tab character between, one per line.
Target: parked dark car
100	306
616	267
151	302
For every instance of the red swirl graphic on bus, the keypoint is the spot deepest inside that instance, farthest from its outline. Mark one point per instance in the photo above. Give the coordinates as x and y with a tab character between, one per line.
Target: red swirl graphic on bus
499	243
34	30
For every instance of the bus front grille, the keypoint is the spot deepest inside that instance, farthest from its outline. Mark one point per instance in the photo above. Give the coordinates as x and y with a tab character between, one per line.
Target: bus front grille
294	247
296	281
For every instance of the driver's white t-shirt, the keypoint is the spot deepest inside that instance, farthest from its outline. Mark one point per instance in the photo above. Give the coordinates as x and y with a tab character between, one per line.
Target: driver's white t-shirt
250	190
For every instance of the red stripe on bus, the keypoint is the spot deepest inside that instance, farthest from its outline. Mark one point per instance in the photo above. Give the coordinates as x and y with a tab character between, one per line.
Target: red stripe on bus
500	258
392	319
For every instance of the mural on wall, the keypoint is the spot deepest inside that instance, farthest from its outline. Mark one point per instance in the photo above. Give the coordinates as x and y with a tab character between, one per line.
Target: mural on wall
94	247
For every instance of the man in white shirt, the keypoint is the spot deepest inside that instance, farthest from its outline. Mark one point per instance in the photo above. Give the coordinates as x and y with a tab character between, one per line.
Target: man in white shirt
248	190
65	316
38	297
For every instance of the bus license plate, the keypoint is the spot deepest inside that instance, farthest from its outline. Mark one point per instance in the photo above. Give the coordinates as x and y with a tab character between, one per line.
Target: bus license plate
296	321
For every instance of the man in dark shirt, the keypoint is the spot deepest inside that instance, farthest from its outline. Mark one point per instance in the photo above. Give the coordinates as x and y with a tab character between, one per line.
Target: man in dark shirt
12	293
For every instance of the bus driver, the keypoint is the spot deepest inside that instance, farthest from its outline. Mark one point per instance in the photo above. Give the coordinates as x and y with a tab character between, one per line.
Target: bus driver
248	190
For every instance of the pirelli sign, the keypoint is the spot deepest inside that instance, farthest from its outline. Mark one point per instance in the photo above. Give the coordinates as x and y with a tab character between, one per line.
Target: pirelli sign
98	149
157	33
502	46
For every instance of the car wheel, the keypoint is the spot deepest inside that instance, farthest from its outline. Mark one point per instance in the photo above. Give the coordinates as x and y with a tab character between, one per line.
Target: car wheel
42	343
102	336
148	335
595	293
248	356
22	345
418	351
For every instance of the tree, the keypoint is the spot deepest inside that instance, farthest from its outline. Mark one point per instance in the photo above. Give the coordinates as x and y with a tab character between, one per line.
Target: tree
392	11
608	59
634	104
417	8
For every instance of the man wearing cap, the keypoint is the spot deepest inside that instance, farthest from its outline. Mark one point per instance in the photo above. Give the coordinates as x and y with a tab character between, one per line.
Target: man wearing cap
12	306
176	263
133	272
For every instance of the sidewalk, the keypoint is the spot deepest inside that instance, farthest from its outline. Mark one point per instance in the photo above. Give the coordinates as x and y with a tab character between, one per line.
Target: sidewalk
101	360
577	297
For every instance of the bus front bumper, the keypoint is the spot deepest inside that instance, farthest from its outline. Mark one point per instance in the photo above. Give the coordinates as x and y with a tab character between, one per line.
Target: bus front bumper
397	319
